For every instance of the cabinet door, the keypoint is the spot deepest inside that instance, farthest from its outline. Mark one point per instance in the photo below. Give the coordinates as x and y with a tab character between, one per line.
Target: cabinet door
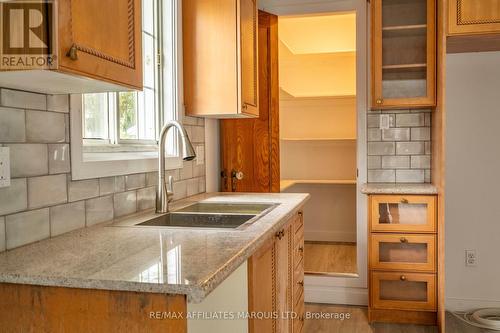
393	213
284	282
403	291
403	53
249	57
473	17
262	287
403	252
106	38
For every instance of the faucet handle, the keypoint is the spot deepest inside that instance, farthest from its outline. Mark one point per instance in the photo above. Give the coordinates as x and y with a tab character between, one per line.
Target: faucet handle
170	189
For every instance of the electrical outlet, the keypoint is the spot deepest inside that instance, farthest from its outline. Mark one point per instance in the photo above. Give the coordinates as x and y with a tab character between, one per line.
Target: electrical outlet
385	121
470	258
4	167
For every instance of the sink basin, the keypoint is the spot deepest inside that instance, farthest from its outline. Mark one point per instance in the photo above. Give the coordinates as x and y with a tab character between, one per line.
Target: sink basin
194	220
211	215
226	208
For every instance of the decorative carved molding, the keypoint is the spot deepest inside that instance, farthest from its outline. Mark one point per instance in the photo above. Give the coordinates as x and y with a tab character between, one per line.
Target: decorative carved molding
131	40
462	21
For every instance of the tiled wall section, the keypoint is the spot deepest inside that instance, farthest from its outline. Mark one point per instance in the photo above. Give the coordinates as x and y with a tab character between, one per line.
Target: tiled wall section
42	200
402	153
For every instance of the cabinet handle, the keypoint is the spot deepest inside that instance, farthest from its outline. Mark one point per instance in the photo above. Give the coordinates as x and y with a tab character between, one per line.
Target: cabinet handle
280	234
379	101
403	240
301	249
301	283
404	201
402	278
300	214
244	107
73	53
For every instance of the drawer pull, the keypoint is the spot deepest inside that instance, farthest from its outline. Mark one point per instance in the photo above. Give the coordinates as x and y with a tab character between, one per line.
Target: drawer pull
402	278
300	214
301	283
301	249
280	234
403	240
379	101
404	201
72	53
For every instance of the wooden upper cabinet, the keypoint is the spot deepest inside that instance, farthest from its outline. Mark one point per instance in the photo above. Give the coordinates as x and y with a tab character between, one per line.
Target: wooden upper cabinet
220	58
403	54
467	17
102	40
97	47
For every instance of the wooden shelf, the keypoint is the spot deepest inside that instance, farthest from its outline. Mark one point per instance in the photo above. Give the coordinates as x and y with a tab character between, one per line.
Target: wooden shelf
405	27
404	66
286	183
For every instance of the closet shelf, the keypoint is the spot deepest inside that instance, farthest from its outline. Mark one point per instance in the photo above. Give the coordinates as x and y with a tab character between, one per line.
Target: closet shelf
405	27
404	66
286	183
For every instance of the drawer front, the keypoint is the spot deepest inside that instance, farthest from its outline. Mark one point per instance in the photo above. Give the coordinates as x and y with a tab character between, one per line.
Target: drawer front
395	213
298	223
298	322
298	283
403	252
403	291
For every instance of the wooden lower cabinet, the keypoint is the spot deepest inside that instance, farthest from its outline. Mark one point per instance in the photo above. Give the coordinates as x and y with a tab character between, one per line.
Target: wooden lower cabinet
276	281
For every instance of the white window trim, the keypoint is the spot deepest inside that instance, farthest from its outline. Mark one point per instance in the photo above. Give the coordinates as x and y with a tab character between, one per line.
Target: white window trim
87	165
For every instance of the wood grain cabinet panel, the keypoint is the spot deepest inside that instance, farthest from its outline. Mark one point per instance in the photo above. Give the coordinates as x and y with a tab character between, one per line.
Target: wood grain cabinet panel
467	17
220	40
403	54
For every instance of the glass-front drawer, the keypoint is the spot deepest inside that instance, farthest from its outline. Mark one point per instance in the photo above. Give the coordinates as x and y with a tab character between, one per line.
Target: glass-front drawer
395	213
403	291
403	252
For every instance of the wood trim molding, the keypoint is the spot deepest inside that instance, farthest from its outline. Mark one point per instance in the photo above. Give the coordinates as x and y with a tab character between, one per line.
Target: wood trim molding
462	21
130	62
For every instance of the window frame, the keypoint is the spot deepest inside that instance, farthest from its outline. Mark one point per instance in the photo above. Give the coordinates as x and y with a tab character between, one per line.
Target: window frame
93	158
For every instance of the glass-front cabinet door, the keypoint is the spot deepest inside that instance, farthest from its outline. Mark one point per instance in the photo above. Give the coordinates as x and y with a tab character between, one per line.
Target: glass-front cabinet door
403	291
403	53
412	213
403	252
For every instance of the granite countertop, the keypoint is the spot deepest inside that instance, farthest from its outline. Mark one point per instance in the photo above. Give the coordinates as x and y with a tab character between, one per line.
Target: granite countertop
387	188
189	261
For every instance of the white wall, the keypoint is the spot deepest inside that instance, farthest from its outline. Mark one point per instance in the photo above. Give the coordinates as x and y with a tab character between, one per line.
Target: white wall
472	183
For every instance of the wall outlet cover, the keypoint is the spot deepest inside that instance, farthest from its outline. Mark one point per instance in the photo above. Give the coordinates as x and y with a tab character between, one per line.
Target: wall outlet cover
470	258
4	167
385	121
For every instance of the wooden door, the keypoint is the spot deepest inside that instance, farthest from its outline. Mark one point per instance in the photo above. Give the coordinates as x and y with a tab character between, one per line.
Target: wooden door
105	39
250	147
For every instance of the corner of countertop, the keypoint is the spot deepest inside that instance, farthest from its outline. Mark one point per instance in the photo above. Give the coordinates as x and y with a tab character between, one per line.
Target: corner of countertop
393	188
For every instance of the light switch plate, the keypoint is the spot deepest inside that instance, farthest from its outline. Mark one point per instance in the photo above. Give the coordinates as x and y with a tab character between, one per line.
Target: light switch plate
200	155
385	121
4	167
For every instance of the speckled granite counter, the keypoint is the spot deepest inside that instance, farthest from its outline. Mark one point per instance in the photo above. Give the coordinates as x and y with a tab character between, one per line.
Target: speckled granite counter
421	189
188	261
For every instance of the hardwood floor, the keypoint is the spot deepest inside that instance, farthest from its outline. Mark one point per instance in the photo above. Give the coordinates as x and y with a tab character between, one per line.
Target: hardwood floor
330	257
357	323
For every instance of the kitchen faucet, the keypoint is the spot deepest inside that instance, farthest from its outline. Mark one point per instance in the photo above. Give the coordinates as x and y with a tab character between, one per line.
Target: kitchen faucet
187	153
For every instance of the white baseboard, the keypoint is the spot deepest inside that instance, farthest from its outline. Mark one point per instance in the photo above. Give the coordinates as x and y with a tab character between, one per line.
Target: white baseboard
336	295
330	236
467	304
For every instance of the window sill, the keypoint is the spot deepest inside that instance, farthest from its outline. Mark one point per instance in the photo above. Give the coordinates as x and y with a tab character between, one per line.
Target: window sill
108	148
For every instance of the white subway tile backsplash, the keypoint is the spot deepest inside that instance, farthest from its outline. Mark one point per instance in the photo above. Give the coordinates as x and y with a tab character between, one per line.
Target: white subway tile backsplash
146	198
395	162
421	134
152	179
381	148
27	227
47	191
59	160
83	189
428	176
421	162
410	176
396	134
23	100
119	184
12	125
133	182
45	127
106	186
410	148
125	203
14	198
428	148
58	103
374	162
2	234
99	210
27	160
381	176
410	119
68	217
192	187
180	190
187	170
374	134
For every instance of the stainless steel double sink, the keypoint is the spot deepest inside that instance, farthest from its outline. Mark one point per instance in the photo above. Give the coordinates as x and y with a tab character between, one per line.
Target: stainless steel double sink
212	215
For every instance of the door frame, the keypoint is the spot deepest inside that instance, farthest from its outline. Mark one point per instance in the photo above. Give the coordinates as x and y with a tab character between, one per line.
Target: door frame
329	289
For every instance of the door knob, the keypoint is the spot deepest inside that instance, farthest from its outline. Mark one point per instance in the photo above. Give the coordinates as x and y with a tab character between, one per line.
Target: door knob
403	240
379	101
238	175
402	278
